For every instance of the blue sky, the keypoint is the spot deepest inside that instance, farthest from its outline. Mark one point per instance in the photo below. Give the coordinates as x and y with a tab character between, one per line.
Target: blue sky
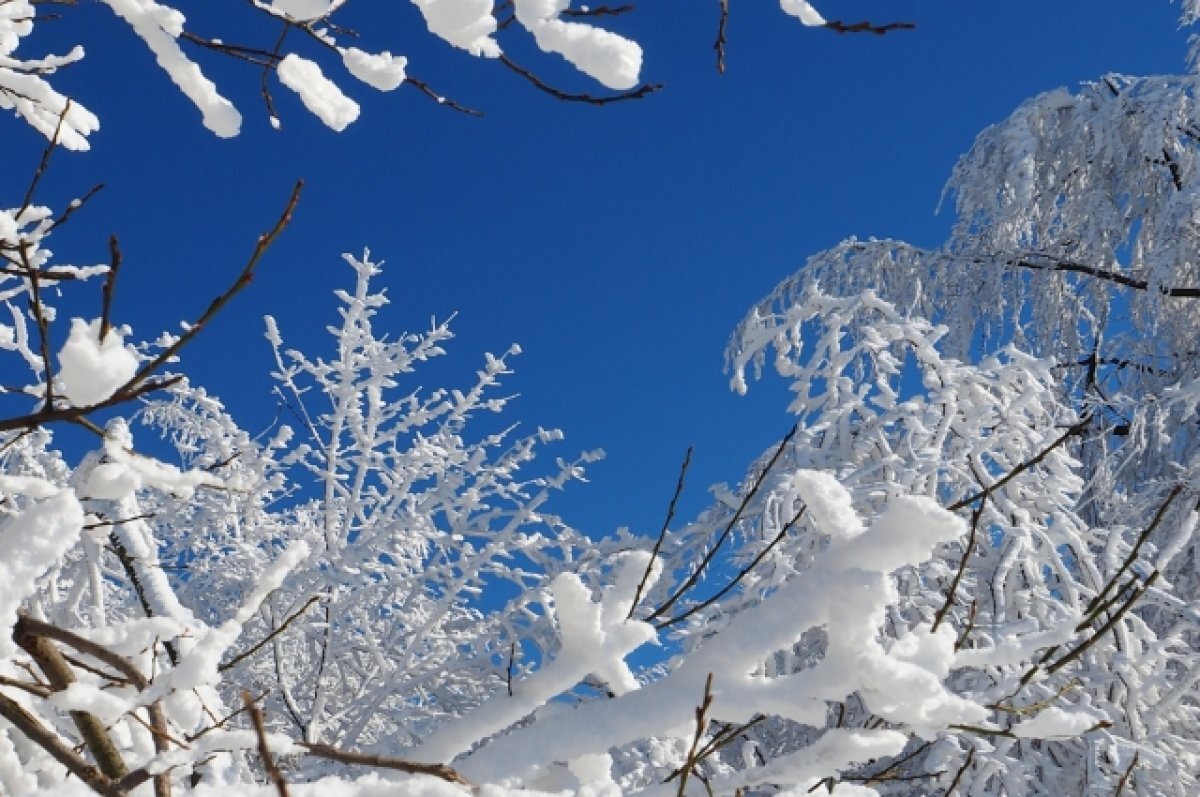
618	245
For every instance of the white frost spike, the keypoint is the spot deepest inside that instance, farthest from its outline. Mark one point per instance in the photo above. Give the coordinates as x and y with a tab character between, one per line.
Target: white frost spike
383	71
91	369
611	59
467	24
160	26
318	93
802	11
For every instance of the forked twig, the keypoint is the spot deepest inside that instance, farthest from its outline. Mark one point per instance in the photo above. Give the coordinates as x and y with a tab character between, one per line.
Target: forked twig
662	534
691	580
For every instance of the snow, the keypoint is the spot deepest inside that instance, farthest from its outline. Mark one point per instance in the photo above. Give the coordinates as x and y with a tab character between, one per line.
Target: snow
614	61
1056	723
159	26
383	71
467	24
802	11
305	10
90	369
33	542
318	93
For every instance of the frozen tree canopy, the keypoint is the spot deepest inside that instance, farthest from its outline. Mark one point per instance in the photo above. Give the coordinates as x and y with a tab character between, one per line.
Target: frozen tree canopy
970	568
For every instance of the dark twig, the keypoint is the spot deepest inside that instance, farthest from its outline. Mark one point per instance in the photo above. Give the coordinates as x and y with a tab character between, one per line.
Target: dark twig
139	385
1127	774
1094	605
737	515
838	26
597	11
440	99
110	284
512	660
590	99
385	762
662	534
962	568
264	750
1108	275
265	640
733	582
719	46
1075	429
693	759
961	771
44	162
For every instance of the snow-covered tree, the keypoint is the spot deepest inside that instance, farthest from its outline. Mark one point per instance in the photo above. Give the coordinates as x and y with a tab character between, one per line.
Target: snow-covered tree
969	569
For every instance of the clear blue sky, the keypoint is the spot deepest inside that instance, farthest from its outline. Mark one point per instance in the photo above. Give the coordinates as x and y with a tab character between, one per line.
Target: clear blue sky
617	245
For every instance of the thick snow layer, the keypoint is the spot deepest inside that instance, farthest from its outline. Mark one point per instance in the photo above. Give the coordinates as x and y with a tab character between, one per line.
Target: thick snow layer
90	369
802	11
468	24
159	26
383	71
318	93
33	542
611	59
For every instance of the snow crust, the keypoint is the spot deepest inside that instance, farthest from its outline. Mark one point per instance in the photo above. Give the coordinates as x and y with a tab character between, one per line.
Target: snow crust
467	24
613	60
90	369
383	71
318	93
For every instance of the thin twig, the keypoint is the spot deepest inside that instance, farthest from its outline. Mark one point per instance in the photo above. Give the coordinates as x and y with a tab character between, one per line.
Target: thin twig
733	582
45	161
264	750
962	568
265	640
1125	777
385	762
701	723
719	46
961	771
838	26
662	534
440	99
1075	429
110	284
699	571
1109	276
139	384
590	99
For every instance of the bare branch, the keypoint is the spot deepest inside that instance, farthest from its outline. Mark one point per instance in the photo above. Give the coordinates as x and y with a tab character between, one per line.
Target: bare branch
590	99
838	26
662	534
385	762
264	750
1108	275
110	284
